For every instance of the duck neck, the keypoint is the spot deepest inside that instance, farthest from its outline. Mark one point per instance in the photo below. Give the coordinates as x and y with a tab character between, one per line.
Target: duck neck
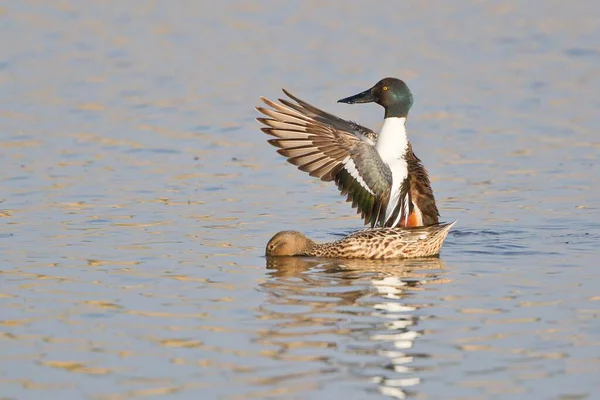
319	249
392	141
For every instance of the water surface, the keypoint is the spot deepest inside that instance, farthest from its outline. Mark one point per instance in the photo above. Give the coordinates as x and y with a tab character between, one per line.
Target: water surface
138	195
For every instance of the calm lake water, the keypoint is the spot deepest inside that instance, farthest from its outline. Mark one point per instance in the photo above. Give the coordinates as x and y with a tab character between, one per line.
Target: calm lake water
137	195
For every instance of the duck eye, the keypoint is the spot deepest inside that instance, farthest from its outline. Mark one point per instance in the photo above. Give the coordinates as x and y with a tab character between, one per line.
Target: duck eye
385	88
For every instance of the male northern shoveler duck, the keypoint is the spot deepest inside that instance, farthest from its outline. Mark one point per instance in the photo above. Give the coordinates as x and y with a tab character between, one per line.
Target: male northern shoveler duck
380	173
373	243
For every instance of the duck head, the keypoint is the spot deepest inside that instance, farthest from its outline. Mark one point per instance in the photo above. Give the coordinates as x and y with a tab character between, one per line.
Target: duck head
391	93
288	243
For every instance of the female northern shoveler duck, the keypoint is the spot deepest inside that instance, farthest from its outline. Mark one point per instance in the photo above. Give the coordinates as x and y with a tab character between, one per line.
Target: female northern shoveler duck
379	172
374	243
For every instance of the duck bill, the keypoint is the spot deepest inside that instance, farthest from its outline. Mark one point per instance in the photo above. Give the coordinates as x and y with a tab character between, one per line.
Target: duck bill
362	97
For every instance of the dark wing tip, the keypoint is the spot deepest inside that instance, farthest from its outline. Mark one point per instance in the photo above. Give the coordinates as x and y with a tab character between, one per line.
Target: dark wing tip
261	110
263	120
291	96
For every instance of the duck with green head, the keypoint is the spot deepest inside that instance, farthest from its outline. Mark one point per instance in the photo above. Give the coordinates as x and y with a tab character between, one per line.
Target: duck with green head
379	173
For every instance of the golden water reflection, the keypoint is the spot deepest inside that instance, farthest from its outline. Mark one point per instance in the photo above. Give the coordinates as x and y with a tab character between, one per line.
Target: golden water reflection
356	316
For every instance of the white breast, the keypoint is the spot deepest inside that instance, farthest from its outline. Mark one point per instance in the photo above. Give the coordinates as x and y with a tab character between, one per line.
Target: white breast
391	145
392	141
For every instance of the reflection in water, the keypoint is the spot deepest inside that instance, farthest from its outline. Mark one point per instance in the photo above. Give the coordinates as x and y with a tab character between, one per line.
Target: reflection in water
358	317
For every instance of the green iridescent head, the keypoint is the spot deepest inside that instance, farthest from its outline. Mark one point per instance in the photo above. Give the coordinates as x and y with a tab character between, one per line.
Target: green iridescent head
391	93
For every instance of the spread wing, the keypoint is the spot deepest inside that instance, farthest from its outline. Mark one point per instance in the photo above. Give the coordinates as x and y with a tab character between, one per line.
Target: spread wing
332	149
323	117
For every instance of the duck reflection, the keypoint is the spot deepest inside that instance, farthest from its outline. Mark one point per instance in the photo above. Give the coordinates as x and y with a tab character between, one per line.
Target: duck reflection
356	318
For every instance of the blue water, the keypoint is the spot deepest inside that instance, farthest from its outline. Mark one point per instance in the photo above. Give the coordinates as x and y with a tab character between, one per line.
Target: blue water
138	194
